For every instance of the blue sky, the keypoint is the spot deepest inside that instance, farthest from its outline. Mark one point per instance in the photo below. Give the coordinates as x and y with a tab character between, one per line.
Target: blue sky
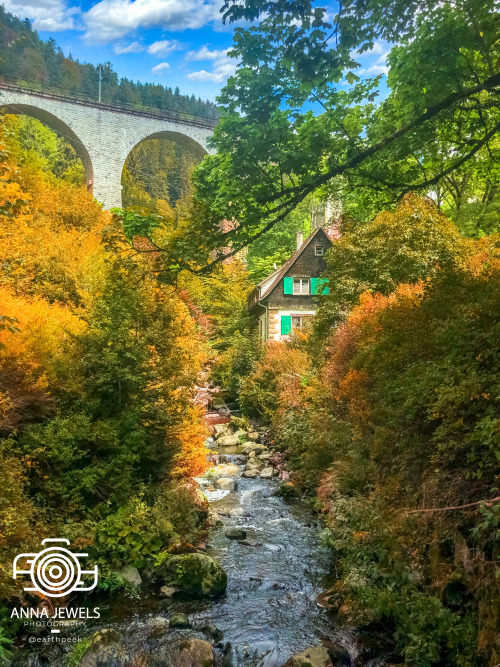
174	42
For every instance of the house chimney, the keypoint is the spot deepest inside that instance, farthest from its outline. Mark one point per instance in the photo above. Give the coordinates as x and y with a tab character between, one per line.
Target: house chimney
300	239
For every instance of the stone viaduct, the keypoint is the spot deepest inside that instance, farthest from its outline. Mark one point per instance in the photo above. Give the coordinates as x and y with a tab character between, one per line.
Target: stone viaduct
104	135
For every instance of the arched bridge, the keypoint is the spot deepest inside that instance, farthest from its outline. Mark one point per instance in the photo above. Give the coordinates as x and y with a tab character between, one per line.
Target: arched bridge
104	135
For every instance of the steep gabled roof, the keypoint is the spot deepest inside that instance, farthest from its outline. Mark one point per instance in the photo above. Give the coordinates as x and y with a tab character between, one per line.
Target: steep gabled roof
266	286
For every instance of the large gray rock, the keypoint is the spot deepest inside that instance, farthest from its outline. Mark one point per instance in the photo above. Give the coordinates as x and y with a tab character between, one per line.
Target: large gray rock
267	473
105	648
167	591
251	473
253	436
236	534
225	484
228	441
221	429
254	464
131	574
196	574
317	656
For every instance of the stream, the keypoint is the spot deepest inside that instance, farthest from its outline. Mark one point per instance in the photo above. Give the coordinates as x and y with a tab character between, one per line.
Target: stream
269	611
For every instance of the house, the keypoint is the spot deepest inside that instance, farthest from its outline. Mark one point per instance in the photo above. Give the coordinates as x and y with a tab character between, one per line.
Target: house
285	300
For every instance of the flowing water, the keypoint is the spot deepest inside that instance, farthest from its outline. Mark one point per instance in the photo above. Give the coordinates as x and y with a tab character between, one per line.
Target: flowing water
269	611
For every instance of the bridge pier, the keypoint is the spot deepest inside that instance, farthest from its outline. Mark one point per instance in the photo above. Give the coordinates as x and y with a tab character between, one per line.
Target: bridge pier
107	181
102	135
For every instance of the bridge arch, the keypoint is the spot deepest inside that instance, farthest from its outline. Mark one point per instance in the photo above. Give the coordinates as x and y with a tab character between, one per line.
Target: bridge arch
180	138
196	149
61	128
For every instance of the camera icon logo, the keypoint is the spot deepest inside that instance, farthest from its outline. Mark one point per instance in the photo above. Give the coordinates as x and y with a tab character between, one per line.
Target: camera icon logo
55	571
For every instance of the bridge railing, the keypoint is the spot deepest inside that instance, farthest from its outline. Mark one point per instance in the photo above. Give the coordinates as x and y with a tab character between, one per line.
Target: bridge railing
135	110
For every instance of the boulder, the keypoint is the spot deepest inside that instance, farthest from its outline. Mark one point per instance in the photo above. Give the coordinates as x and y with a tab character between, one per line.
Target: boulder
267	473
253	472
265	456
225	484
253	436
256	447
194	574
276	459
254	464
224	470
317	656
104	648
211	630
179	621
228	441
131	574
221	429
167	591
236	534
182	653
213	519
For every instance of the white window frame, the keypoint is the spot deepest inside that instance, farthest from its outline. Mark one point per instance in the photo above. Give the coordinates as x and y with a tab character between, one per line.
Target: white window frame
301	286
321	249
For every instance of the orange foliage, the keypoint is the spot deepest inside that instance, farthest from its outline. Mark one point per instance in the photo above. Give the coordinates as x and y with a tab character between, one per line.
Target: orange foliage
190	436
31	358
363	324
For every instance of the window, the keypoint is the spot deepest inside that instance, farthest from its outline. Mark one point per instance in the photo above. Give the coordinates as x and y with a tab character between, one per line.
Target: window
301	286
319	251
300	321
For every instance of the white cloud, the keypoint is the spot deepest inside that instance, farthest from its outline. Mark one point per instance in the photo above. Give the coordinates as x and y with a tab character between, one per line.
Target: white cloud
374	70
221	71
163	47
205	54
134	47
160	68
113	19
51	15
379	66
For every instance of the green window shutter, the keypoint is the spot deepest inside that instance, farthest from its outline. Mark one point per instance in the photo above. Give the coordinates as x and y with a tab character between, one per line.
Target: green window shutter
286	324
287	285
314	285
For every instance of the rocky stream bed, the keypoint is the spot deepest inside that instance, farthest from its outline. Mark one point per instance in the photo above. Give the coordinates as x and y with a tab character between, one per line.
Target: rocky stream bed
263	548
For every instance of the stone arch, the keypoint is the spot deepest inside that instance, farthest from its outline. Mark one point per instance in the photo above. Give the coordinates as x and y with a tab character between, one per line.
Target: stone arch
59	126
194	146
179	137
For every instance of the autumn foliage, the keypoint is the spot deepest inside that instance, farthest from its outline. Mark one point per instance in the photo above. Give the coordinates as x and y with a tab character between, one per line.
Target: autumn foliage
391	421
98	364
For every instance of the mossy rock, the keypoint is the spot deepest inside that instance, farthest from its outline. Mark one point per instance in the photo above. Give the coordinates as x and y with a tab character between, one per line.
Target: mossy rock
196	575
316	656
103	649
